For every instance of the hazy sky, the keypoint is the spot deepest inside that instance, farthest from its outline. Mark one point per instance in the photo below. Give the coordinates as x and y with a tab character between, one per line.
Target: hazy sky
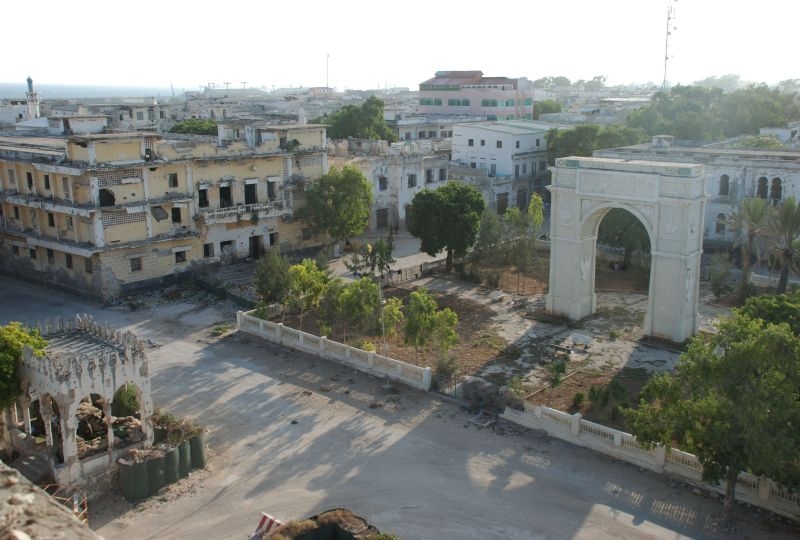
375	43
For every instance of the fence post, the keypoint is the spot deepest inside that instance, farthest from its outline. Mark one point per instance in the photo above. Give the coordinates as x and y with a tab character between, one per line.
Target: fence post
575	426
239	320
371	360
537	411
617	438
764	489
427	379
661	457
322	340
279	332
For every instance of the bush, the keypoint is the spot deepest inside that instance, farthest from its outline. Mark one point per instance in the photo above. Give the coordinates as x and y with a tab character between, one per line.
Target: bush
367	346
491	277
446	366
467	272
577	400
125	402
720	271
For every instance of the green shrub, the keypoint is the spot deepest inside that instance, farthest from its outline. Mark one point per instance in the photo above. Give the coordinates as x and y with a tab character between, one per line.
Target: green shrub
125	402
577	400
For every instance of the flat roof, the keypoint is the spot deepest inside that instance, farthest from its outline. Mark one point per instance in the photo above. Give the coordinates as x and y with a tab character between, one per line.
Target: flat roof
516	127
42	145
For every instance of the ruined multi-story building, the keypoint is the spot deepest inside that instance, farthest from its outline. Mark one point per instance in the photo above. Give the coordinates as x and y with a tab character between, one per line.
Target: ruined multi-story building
397	172
105	213
732	174
62	422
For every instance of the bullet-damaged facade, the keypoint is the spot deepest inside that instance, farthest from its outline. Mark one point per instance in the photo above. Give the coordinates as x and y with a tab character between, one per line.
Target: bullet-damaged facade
106	213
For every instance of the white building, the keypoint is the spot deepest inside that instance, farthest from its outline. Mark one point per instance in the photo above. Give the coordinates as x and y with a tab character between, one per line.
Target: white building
506	161
732	174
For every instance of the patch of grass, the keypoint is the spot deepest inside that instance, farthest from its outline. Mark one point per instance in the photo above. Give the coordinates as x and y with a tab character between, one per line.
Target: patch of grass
220	329
490	340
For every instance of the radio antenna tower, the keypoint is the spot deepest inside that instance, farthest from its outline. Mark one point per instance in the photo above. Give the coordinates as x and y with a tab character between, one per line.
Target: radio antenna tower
670	28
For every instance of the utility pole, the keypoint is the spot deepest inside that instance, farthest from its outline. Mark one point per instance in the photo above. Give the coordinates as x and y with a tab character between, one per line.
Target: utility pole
670	19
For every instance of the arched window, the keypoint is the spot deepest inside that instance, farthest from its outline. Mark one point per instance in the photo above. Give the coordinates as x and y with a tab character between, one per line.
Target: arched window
762	188
724	184
721	220
776	189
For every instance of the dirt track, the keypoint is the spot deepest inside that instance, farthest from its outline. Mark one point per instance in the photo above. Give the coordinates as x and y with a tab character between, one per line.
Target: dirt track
292	435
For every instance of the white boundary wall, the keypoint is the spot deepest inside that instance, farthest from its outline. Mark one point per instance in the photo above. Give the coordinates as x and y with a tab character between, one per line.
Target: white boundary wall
368	362
754	490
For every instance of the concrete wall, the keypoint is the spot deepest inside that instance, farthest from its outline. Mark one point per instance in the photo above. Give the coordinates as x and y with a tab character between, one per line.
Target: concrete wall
750	489
368	362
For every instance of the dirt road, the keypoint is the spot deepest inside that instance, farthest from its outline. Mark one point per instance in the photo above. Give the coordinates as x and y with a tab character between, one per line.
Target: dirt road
292	435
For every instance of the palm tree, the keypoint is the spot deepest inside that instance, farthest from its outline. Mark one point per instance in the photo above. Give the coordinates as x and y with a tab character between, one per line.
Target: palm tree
750	221
783	227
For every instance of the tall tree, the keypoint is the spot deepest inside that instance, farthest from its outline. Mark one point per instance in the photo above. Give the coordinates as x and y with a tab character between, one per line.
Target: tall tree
13	338
338	203
426	324
783	232
361	122
750	221
271	278
306	284
361	305
330	309
447	219
733	402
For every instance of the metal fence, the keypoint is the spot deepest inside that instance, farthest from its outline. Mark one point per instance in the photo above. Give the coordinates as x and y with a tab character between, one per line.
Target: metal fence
410	273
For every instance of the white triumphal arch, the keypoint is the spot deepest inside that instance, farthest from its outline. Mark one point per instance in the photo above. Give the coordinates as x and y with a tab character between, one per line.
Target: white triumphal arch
668	198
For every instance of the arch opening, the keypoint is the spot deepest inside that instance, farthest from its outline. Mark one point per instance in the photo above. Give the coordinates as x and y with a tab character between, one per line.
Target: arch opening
92	425
126	411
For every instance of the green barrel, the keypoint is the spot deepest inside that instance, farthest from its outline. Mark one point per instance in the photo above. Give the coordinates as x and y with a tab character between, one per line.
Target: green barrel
197	444
171	466
184	459
133	481
156	474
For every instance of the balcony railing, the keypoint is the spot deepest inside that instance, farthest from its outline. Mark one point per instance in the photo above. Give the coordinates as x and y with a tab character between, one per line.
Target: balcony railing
236	213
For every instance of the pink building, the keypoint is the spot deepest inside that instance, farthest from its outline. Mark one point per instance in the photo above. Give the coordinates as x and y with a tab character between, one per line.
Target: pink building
470	93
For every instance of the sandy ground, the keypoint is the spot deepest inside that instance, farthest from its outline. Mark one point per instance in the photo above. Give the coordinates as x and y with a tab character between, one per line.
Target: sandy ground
292	435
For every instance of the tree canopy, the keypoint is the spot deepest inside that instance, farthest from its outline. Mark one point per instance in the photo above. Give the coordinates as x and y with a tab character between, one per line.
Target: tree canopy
361	122
195	126
546	106
583	140
426	324
271	277
338	203
733	402
708	113
446	218
619	228
13	338
783	234
775	309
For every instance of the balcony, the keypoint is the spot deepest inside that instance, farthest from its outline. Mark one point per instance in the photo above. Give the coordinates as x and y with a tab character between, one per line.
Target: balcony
241	212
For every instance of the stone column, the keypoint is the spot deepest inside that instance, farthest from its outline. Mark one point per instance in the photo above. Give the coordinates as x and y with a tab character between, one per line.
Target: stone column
109	420
25	403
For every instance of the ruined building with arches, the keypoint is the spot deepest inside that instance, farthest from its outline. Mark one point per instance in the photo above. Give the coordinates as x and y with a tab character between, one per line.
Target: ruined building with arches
83	405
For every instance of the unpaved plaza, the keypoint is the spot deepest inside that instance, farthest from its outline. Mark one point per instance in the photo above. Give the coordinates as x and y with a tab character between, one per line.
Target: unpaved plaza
293	435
